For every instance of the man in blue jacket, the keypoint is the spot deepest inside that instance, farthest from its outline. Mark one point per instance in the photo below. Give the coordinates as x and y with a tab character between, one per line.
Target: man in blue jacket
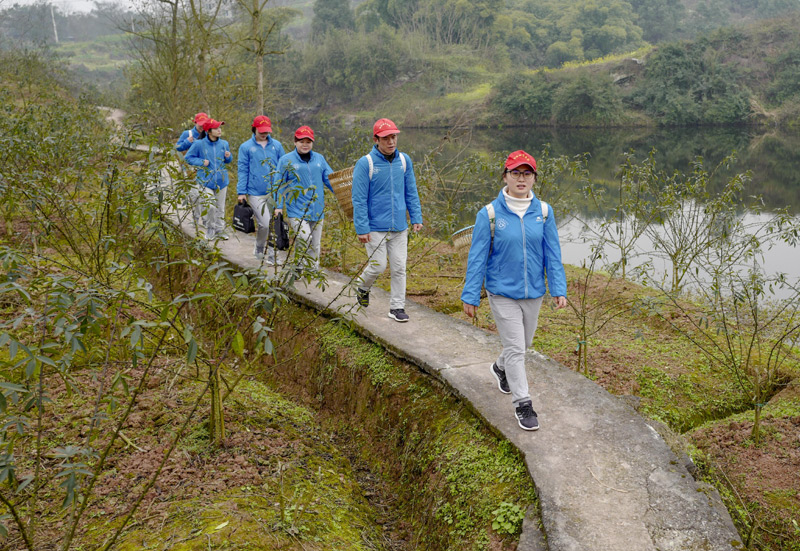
188	137
384	189
258	184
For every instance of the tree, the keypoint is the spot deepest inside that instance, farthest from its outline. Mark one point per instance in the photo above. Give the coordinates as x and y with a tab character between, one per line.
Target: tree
331	14
260	30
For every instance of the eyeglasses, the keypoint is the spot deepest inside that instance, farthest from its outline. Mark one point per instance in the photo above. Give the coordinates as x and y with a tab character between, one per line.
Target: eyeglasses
526	174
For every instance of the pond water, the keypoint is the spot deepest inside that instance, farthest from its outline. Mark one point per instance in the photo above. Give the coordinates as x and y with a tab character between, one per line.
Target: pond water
772	157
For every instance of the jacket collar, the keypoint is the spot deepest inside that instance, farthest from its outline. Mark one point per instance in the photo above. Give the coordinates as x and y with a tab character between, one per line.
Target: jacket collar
382	156
501	199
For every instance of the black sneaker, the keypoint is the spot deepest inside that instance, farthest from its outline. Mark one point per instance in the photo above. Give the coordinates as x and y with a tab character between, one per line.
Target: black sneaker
362	297
502	382
398	315
526	417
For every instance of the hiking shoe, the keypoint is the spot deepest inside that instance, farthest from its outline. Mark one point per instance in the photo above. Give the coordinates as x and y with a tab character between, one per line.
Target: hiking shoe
398	315
502	381
526	417
362	297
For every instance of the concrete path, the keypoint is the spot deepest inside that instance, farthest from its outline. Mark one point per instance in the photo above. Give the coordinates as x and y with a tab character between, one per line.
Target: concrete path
606	479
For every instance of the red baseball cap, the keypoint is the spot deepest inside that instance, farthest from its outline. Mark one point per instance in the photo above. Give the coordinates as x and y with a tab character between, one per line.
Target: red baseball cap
519	158
208	124
383	128
262	124
200	117
304	132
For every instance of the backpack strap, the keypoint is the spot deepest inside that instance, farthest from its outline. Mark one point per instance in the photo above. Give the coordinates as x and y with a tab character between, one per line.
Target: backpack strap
490	212
372	165
368	157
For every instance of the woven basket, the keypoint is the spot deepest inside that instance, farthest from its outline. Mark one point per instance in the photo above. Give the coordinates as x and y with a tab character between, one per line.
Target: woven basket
462	239
342	184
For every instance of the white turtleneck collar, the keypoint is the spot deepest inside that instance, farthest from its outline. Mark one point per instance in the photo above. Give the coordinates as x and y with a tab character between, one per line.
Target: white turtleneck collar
518	206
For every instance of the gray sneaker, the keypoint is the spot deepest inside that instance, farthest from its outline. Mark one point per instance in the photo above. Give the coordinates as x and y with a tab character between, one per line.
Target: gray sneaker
258	253
526	417
502	381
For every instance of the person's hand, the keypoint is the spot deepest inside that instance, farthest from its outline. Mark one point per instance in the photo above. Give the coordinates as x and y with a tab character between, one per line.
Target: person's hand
242	198
363	237
227	154
276	212
206	162
469	309
560	302
416	227
190	138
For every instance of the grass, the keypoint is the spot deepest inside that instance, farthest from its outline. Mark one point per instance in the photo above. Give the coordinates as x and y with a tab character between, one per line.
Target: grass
106	53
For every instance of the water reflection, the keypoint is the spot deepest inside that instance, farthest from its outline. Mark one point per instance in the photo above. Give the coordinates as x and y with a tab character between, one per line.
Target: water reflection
772	157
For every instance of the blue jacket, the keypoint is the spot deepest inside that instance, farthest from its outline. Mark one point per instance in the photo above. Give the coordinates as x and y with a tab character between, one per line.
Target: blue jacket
258	167
215	175
301	183
183	142
381	204
524	249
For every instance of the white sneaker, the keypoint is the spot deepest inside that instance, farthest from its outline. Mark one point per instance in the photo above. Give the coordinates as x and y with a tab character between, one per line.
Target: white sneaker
223	235
259	254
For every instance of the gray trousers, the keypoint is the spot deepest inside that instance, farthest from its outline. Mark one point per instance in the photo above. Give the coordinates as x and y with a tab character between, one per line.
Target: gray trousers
214	205
394	245
309	239
263	214
516	322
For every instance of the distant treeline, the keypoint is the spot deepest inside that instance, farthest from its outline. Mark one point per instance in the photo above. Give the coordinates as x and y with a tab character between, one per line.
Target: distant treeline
432	60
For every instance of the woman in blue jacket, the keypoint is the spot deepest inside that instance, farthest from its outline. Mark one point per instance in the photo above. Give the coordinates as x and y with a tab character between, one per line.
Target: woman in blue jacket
303	174
510	254
211	155
257	183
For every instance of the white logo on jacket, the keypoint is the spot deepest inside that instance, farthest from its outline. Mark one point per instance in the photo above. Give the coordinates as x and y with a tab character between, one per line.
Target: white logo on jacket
501	223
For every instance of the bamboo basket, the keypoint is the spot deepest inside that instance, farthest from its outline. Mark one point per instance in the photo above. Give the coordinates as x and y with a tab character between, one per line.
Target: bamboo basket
342	184
462	239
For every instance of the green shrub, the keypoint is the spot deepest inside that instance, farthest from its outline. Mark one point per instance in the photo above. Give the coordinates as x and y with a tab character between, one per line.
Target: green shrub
528	98
587	99
682	85
348	65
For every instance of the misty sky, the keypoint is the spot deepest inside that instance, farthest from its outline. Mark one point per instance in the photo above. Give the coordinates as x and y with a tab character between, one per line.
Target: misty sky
66	6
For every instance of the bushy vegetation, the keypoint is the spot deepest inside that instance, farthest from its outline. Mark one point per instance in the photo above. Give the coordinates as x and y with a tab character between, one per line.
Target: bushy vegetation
683	84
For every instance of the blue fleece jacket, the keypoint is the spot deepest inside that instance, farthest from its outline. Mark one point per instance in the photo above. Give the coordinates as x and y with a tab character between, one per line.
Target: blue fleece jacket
183	142
301	185
215	175
524	250
258	167
380	204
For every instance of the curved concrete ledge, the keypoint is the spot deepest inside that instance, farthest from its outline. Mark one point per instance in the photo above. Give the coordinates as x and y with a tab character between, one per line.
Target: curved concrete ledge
606	479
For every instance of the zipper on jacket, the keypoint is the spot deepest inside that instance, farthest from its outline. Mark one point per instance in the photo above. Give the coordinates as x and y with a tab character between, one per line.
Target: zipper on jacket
524	254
